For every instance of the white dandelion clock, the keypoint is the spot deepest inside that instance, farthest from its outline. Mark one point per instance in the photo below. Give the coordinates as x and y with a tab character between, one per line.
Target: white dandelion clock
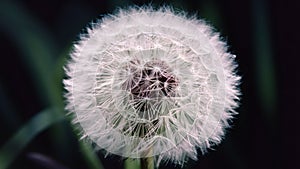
147	82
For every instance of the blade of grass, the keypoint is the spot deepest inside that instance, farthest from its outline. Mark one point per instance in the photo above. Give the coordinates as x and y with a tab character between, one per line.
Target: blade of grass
90	156
210	10
132	163
37	47
39	51
265	70
21	138
8	113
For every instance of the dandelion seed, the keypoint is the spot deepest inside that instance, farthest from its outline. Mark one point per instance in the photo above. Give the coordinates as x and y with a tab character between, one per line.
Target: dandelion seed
150	82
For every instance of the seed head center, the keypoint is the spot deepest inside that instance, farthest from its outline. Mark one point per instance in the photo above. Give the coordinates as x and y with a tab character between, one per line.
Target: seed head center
154	81
149	84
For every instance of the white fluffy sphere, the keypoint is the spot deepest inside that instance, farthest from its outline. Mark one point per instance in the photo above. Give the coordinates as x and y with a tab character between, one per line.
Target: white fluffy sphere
150	82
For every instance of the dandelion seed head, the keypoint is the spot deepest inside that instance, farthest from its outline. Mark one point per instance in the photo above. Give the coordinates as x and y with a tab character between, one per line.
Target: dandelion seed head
148	82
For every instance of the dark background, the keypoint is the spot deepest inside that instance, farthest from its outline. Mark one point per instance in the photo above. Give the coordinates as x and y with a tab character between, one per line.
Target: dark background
36	37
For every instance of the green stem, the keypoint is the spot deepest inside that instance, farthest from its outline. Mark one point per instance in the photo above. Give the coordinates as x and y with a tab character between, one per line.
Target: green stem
147	163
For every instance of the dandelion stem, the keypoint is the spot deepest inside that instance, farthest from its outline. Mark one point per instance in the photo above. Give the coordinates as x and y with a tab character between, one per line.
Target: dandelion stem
147	163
